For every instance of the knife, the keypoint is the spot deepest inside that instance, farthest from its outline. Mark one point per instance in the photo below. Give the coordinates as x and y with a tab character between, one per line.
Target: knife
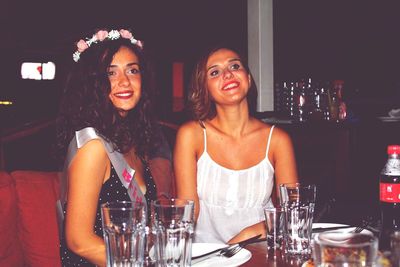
324	229
217	252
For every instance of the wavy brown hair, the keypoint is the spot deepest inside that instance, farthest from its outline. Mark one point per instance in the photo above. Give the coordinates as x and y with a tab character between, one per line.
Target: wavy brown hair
85	102
201	104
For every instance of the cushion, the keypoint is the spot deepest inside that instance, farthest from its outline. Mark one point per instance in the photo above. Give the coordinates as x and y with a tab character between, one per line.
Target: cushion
10	250
37	228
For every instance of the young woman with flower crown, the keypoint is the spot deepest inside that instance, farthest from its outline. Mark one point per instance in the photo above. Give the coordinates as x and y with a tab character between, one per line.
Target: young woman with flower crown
112	141
227	160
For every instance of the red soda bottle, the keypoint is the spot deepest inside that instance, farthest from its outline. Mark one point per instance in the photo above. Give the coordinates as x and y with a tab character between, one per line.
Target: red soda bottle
389	194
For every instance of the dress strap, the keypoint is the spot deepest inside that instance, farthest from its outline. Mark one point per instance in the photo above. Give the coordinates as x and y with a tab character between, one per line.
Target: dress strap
269	138
205	139
203	125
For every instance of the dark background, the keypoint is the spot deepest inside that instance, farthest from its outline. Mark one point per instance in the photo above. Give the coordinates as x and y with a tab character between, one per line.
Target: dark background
356	41
42	31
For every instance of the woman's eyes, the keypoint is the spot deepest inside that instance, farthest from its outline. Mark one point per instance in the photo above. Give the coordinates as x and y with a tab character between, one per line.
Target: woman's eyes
235	66
218	71
110	73
128	71
134	71
214	73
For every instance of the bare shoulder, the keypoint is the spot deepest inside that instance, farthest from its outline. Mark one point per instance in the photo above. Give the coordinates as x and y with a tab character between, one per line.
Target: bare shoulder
93	151
94	146
189	126
277	132
280	134
191	130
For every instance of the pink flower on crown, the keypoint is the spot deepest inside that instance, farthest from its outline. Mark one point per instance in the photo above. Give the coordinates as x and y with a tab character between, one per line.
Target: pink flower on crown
125	34
101	35
82	46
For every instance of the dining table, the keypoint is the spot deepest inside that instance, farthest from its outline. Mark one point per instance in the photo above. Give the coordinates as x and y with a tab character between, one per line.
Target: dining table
261	257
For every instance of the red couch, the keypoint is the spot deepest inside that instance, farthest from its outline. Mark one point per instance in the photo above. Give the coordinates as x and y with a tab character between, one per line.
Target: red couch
28	222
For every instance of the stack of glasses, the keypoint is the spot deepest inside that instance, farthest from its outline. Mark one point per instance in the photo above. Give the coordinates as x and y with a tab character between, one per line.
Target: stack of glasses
289	227
167	241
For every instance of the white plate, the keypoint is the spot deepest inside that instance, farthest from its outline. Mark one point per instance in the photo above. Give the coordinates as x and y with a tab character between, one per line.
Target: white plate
200	248
388	119
344	230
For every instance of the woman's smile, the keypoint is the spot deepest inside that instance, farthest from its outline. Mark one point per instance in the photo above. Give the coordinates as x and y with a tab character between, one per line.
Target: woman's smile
231	85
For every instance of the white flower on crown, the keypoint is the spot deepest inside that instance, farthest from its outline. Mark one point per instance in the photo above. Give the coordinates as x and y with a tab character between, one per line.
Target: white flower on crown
102	35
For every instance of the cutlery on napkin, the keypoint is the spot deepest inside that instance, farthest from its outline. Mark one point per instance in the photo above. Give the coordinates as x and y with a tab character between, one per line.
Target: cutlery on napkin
220	251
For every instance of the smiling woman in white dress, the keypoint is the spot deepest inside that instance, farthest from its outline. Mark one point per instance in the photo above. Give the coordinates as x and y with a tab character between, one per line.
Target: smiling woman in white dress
226	160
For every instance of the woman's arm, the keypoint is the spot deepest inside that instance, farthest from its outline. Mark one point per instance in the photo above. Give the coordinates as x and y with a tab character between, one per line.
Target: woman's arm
185	163
85	179
160	163
161	170
284	159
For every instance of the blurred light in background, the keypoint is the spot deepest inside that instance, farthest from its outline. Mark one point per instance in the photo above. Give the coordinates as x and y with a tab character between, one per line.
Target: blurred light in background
38	71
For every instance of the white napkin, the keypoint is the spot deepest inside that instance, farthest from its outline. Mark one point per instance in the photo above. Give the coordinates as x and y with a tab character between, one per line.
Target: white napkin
394	113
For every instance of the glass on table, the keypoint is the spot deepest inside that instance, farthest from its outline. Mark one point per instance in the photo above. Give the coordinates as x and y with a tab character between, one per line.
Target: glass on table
274	219
173	222
395	248
341	249
297	194
298	202
123	229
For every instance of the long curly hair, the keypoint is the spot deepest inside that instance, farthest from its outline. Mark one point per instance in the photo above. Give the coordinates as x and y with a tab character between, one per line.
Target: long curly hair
200	102
86	103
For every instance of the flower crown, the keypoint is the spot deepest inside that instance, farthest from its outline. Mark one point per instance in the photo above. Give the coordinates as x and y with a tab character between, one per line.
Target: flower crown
102	35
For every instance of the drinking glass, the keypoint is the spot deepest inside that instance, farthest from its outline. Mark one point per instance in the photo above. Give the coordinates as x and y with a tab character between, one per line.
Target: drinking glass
298	202
123	229
173	231
297	194
395	248
274	219
341	249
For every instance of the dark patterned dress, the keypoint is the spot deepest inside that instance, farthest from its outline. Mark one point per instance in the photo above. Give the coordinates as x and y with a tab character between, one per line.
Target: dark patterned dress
112	190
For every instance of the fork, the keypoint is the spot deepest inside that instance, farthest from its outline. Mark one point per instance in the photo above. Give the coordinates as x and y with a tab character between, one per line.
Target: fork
358	229
231	251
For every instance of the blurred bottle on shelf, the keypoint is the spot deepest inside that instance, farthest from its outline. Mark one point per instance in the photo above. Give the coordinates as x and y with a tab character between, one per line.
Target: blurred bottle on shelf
302	102
319	108
337	106
308	100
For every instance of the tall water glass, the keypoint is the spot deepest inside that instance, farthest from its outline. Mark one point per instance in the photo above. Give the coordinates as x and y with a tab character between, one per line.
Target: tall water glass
123	229
298	202
274	219
173	230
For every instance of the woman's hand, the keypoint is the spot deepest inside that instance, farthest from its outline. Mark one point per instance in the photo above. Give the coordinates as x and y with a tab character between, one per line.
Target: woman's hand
253	230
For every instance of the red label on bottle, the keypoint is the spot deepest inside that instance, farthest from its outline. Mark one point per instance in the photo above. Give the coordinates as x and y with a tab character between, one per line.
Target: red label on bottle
389	192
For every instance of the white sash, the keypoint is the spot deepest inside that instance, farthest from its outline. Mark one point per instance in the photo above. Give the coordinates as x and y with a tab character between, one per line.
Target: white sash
124	171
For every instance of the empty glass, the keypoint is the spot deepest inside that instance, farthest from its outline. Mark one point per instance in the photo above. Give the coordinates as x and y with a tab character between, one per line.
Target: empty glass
123	229
395	248
173	231
298	202
274	219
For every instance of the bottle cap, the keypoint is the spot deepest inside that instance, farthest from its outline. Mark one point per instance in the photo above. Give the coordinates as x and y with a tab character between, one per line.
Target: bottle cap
393	149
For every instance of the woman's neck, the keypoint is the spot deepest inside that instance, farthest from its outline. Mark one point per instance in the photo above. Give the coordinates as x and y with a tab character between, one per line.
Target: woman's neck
232	120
